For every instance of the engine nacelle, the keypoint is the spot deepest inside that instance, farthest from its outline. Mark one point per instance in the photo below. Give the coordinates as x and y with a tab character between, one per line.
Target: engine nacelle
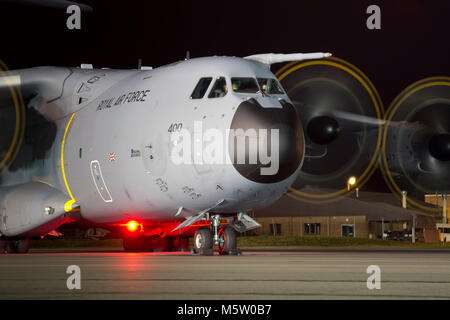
43	210
416	155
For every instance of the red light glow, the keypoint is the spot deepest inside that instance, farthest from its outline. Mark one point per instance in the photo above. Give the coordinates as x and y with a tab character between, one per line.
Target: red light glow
132	226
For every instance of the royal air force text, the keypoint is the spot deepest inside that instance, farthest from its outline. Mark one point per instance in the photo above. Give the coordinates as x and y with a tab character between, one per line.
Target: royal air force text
134	96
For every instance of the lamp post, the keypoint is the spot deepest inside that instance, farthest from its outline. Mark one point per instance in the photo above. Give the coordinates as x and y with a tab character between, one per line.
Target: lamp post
350	182
444	208
404	199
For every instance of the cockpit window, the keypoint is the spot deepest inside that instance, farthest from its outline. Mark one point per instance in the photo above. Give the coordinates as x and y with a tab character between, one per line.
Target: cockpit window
200	88
244	85
219	89
270	86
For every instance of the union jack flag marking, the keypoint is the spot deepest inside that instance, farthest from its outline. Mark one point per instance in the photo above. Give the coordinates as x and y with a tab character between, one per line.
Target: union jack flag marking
112	157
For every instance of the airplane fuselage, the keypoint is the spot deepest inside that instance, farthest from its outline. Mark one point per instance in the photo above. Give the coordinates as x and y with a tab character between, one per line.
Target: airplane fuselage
112	153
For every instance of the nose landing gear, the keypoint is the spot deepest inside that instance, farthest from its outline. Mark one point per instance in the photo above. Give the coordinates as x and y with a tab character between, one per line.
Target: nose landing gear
225	238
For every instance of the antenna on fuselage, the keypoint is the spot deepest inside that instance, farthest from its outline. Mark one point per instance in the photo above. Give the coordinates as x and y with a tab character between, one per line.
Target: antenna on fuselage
188	55
141	67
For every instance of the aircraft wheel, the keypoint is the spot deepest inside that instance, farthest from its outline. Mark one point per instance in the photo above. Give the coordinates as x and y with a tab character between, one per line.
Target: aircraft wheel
203	240
21	245
227	240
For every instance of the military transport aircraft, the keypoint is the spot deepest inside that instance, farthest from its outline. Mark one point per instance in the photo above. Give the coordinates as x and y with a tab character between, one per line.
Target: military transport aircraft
104	145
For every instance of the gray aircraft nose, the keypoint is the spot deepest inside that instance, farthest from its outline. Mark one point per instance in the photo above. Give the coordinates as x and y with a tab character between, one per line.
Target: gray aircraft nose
251	115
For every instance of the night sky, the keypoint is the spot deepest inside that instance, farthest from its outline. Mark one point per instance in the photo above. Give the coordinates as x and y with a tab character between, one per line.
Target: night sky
411	45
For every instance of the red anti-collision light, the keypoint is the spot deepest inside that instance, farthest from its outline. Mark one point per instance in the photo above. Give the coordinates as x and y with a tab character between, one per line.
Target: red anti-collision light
132	226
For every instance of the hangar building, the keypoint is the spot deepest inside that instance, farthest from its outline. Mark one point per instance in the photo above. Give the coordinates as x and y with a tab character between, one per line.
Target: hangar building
370	215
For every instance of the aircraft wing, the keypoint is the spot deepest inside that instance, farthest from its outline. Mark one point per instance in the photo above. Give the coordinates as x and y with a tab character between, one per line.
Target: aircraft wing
44	84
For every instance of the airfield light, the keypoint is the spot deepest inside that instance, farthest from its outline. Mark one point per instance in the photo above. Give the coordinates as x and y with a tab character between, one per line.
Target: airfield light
132	226
350	182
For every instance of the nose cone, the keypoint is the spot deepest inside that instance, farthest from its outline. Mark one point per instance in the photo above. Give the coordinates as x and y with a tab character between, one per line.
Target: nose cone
269	158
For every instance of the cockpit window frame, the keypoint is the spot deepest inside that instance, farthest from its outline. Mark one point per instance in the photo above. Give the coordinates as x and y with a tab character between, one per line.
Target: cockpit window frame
218	78
244	77
211	78
278	84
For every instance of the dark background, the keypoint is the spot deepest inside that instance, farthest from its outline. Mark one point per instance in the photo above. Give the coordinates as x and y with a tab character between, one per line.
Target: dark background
413	42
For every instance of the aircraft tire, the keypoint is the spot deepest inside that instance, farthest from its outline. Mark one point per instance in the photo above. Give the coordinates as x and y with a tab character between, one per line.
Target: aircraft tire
227	241
21	245
203	240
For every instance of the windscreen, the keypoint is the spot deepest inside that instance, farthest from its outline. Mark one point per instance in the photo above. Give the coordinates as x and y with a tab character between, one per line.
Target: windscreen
200	88
244	85
219	89
270	86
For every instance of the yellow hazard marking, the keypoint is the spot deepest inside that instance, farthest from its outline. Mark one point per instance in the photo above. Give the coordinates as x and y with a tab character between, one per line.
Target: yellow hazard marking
68	205
19	128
